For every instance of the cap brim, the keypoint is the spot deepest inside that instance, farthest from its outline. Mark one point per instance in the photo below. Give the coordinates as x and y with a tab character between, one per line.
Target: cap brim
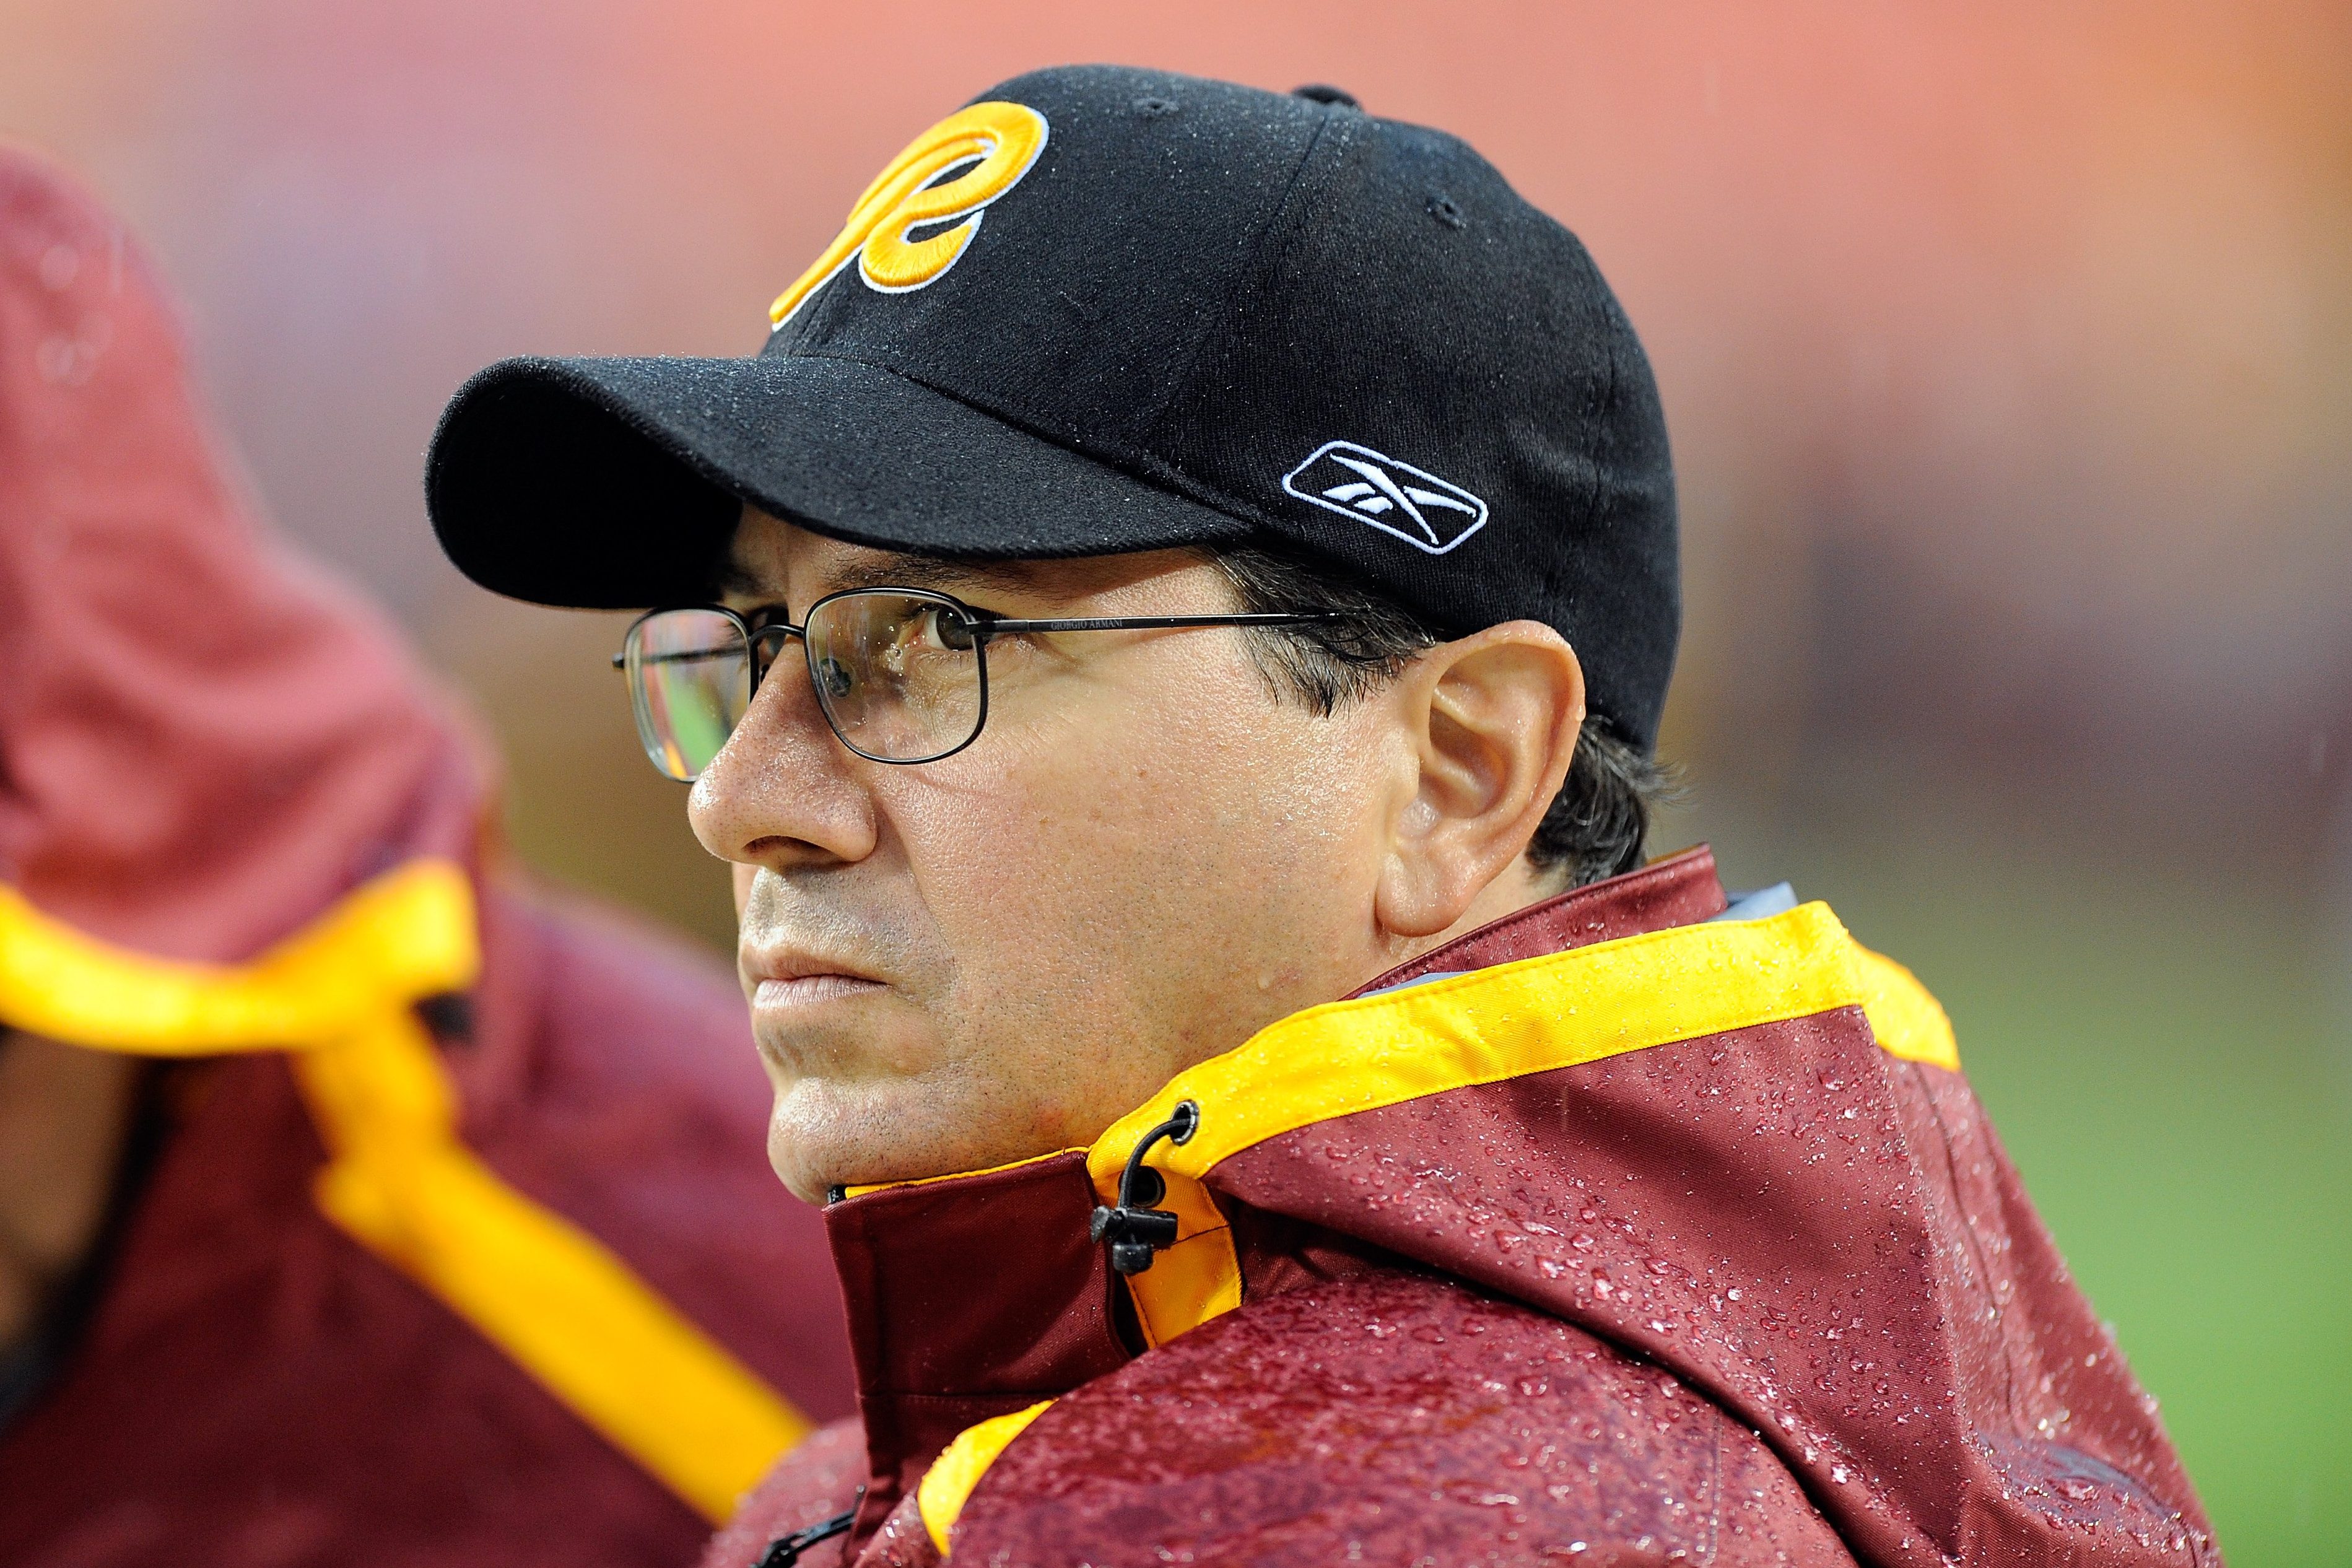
614	483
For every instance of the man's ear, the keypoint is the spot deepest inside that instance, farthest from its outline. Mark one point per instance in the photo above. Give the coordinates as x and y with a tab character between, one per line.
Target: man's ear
1492	720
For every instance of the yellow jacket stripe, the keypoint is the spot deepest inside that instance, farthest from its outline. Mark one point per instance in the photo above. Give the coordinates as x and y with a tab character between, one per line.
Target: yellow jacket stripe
405	935
1534	1016
339	995
949	1482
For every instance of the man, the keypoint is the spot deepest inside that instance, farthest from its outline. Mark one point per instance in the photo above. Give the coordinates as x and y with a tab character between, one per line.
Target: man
1171	632
357	1205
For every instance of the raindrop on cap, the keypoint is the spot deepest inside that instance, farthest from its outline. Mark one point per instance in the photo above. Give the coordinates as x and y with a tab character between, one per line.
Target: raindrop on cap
1152	108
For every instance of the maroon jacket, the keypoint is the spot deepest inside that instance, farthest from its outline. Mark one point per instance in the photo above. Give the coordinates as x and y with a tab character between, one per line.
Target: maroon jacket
205	749
1649	1238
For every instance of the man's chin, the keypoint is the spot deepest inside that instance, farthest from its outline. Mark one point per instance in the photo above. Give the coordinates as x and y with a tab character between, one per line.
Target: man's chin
820	1139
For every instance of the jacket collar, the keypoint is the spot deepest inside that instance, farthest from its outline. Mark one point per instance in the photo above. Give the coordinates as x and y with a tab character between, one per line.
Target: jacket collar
975	1296
1680	890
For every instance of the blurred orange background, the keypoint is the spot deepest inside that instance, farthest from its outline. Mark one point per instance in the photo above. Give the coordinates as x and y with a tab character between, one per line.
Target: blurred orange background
2008	352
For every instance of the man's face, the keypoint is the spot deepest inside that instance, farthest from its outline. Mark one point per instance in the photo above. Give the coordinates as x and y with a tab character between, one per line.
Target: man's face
1146	857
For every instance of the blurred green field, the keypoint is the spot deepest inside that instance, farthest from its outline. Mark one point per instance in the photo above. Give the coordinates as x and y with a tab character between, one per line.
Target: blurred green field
2166	1058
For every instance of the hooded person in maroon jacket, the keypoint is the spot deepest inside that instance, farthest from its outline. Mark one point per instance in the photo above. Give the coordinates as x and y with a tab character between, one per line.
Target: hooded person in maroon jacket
1170	630
356	1205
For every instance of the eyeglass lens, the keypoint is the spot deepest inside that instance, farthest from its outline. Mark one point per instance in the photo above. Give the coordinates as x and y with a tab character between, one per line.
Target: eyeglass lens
898	675
689	676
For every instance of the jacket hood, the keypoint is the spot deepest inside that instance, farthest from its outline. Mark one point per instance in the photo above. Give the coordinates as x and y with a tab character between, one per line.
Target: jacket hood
235	817
1740	1150
203	742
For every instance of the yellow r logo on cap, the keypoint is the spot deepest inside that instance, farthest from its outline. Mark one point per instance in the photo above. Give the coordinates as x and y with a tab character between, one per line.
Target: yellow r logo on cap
988	147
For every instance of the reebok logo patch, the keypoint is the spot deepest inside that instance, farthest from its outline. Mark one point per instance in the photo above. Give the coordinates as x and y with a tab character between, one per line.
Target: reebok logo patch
1413	504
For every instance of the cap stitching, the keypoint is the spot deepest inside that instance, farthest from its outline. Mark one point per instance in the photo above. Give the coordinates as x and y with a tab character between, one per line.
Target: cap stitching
1604	404
1219	321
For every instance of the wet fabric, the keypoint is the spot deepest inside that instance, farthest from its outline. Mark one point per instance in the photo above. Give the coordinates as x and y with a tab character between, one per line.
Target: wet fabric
206	748
1761	1289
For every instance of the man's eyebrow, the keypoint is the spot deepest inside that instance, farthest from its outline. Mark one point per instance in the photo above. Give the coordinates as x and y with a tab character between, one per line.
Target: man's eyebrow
734	580
932	572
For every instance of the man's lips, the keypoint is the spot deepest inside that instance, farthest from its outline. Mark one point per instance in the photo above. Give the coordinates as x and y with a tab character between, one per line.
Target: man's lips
784	981
772	996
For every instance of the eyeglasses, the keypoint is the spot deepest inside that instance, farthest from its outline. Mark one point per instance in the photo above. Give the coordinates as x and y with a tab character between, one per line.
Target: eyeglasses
901	674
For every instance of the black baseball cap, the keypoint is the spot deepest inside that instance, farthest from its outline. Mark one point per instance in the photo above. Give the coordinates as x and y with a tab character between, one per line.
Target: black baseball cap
1103	310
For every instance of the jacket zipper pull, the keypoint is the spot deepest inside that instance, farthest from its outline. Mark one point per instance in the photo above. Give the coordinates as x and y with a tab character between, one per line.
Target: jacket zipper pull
1136	1231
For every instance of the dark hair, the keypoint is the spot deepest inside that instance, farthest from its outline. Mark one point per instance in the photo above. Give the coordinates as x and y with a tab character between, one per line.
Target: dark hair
1595	825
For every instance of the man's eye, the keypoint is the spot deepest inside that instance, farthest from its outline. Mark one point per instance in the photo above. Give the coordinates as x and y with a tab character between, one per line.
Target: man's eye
938	626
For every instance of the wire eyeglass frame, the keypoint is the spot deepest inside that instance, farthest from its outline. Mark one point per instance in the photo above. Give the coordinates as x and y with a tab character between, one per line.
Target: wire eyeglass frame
978	626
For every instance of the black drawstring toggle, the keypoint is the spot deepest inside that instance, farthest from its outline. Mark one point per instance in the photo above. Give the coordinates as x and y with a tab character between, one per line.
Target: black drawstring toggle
1135	1230
785	1550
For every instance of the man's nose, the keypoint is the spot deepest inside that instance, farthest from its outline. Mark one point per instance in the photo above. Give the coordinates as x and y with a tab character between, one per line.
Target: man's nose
783	791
